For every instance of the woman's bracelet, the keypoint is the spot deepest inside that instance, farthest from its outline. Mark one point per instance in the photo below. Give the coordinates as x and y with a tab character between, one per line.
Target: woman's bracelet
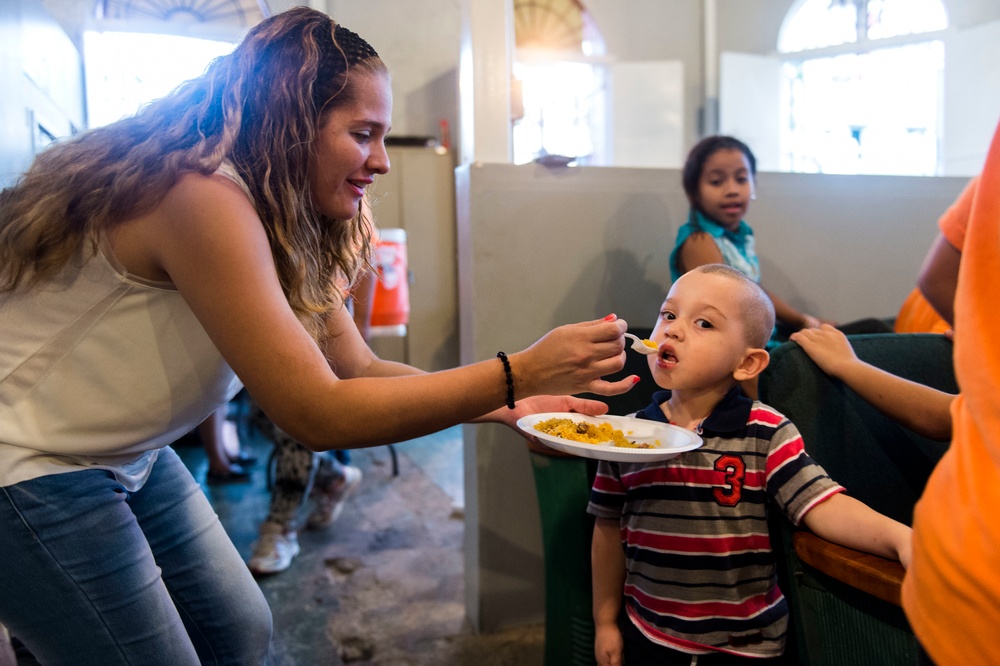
510	379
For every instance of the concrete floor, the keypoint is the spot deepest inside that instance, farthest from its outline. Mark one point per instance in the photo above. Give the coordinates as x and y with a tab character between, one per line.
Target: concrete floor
384	584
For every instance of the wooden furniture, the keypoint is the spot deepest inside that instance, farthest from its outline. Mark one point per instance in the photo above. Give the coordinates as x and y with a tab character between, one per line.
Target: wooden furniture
875	575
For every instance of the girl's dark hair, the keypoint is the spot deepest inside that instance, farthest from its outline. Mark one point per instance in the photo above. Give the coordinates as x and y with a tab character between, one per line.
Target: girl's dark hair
704	149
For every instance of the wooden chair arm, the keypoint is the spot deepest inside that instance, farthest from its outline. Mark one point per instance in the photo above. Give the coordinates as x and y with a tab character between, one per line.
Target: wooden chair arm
869	573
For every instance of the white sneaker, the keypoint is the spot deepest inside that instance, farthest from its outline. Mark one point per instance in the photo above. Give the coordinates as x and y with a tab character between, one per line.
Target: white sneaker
330	502
274	549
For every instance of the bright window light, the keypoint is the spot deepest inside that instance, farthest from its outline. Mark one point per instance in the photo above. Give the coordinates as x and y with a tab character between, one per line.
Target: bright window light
818	23
558	111
888	18
871	113
861	107
125	70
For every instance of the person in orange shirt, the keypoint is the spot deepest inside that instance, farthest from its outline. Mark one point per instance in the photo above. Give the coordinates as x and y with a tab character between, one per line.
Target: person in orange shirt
951	592
917	315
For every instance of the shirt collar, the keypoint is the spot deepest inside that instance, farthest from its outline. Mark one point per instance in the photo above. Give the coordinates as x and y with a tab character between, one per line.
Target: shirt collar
716	230
731	414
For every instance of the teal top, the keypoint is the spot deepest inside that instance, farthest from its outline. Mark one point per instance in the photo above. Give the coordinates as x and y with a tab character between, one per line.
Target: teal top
737	247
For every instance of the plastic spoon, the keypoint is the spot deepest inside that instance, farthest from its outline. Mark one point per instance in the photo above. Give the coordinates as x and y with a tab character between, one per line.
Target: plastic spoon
643	346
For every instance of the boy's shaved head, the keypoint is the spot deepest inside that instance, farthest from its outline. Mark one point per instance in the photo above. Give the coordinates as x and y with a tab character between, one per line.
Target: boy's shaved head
756	308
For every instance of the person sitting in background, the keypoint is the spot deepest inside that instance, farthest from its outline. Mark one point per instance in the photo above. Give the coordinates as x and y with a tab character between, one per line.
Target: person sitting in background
917	316
299	473
681	559
719	178
150	267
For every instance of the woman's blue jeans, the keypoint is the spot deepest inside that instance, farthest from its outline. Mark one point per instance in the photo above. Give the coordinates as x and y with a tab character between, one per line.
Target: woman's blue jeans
92	575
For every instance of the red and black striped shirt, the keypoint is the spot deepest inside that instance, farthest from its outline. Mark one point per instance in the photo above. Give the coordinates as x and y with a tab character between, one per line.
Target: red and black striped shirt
701	575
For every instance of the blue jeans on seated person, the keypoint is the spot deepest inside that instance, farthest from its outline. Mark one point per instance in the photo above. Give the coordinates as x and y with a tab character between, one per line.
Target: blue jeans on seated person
92	575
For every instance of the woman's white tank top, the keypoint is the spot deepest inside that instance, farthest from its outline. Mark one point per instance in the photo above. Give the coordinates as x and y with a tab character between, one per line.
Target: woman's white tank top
99	368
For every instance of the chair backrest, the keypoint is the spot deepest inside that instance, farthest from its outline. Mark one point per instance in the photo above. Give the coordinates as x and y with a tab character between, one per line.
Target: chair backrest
878	461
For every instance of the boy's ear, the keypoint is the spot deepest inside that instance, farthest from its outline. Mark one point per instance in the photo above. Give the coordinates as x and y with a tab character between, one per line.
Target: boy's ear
753	364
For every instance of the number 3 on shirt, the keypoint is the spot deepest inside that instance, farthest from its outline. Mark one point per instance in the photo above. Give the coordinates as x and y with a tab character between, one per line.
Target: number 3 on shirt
735	470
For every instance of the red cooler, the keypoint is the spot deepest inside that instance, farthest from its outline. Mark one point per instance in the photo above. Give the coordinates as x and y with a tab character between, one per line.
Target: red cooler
391	303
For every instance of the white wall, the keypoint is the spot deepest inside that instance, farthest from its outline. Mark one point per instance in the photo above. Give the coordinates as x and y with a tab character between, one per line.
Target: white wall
419	43
972	97
846	247
42	78
653	30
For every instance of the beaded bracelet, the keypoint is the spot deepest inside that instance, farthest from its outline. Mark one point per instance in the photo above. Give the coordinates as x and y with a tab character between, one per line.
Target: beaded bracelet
510	379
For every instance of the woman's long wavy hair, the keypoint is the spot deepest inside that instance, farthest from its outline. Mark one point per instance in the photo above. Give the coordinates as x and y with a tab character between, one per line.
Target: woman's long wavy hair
259	108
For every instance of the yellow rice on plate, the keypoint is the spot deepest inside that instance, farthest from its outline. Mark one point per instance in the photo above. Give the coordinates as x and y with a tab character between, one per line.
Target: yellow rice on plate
588	433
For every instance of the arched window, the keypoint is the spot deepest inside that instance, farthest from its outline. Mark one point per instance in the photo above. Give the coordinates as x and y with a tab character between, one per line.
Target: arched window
128	69
240	13
557	92
863	81
139	50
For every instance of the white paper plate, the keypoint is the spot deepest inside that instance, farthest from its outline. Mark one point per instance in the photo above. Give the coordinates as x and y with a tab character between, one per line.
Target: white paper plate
669	440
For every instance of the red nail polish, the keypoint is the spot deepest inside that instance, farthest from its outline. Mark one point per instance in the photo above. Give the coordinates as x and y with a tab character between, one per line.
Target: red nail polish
635	379
611	317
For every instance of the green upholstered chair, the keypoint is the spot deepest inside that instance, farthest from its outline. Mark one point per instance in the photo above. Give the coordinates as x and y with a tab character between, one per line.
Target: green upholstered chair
845	604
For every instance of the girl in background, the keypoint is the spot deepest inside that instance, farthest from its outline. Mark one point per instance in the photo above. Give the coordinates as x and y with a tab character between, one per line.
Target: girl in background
719	180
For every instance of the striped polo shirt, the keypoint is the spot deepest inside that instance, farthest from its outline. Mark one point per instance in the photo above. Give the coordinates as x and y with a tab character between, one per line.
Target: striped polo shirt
701	575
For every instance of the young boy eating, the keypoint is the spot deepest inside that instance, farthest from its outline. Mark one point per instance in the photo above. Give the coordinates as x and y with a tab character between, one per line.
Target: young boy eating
682	561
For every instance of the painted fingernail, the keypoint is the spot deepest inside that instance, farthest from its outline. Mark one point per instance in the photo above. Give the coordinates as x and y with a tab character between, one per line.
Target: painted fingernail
611	317
635	379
